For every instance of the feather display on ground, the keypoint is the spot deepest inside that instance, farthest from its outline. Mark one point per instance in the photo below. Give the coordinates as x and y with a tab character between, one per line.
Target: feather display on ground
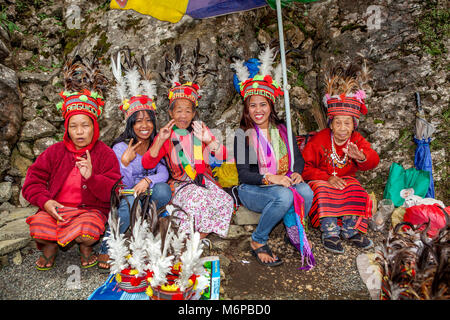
414	266
155	251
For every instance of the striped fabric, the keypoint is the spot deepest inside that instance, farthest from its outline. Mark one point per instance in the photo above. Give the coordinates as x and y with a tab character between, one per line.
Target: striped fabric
78	222
174	10
331	202
344	106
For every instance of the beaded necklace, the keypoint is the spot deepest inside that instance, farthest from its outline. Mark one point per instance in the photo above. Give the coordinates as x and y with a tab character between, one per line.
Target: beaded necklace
336	160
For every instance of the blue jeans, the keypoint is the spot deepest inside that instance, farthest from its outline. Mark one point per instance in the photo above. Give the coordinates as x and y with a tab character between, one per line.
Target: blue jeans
330	228
273	202
161	194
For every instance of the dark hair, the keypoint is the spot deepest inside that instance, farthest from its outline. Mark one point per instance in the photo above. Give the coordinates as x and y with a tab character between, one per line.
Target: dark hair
129	134
247	122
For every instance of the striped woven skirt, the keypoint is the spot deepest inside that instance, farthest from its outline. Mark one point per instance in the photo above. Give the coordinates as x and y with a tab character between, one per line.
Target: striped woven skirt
332	202
78	222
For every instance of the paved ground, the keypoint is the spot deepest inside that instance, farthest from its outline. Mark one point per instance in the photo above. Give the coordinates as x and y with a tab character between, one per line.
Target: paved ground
334	277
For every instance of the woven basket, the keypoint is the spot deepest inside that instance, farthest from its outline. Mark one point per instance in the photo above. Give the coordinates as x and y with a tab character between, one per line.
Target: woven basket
125	283
159	294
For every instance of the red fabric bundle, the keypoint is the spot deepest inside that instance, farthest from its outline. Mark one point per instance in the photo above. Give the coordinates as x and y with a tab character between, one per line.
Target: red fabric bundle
420	214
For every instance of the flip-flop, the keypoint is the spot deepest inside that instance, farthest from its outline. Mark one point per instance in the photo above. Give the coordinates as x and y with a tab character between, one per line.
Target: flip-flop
265	249
47	260
103	269
87	259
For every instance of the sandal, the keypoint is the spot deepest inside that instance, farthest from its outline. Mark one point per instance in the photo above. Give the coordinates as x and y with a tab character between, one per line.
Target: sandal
47	260
361	241
104	262
87	259
333	244
265	249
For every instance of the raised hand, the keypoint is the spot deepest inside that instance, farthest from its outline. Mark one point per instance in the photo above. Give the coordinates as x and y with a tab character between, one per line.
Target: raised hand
85	165
130	153
201	132
164	132
353	152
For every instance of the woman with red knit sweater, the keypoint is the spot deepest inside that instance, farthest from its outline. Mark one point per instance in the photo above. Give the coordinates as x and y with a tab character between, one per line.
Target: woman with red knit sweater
71	182
341	207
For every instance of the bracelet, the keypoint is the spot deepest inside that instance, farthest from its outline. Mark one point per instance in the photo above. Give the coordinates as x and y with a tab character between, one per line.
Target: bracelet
148	180
265	181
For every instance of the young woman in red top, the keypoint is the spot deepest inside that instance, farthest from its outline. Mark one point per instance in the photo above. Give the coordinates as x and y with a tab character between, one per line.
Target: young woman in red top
71	182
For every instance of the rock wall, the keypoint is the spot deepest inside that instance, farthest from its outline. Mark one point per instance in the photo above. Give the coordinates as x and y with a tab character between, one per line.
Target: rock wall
405	43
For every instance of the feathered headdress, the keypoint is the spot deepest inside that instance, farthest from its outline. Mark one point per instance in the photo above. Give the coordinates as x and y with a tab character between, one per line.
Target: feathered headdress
185	77
267	82
84	84
135	84
346	89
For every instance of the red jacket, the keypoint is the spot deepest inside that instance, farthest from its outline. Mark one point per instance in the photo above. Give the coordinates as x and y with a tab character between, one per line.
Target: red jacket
318	163
45	177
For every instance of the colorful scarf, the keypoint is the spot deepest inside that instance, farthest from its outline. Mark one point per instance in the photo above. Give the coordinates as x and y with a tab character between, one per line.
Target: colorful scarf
273	157
194	170
294	221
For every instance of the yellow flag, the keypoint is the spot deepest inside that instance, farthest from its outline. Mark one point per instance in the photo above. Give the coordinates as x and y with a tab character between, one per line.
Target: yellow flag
167	10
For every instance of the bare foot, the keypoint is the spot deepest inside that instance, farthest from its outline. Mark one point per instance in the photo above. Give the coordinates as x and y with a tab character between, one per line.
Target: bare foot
49	250
103	261
86	255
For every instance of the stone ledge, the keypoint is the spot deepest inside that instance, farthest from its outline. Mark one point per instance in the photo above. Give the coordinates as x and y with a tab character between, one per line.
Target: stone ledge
14	230
7	246
244	216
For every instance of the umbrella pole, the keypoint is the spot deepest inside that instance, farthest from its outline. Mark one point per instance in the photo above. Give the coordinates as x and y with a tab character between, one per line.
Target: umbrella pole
285	82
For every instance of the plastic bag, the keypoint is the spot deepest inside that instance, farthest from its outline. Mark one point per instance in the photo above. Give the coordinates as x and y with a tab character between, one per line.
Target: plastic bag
417	215
381	217
400	179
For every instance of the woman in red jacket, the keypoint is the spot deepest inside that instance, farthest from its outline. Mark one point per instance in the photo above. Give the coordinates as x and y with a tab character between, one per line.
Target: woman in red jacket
341	206
71	182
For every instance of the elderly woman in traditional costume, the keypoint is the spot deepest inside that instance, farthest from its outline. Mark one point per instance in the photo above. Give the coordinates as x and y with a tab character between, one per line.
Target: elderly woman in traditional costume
137	94
186	145
71	180
263	157
341	207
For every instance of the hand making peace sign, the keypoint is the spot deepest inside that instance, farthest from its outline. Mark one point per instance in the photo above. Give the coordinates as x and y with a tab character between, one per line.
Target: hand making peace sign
164	132
130	153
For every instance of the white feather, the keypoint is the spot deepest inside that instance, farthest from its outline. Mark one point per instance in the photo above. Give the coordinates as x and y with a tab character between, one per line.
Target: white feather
241	70
148	87
117	248
138	246
175	70
117	72
190	259
178	243
278	75
133	81
266	58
